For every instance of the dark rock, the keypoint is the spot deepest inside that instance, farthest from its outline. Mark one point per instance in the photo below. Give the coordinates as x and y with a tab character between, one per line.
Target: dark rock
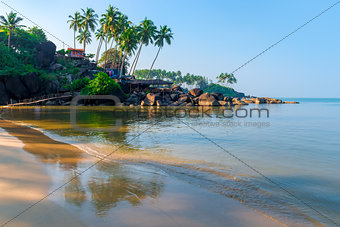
208	100
218	96
195	92
176	88
15	88
32	82
174	97
184	98
51	87
4	97
45	54
228	99
56	67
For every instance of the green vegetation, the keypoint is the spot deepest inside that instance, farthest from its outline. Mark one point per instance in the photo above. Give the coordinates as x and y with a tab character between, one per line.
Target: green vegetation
175	77
79	84
216	88
188	79
17	46
227	78
102	84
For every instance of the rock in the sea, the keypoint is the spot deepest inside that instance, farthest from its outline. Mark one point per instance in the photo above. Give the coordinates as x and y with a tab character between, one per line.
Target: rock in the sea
45	54
218	96
208	100
176	88
16	88
4	97
195	92
174	97
184	98
291	102
150	99
32	82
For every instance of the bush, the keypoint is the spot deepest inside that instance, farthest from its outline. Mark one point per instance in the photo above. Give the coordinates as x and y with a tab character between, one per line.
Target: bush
79	84
102	84
216	88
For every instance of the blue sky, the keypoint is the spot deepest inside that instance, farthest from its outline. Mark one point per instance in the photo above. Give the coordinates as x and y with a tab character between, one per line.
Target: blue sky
218	36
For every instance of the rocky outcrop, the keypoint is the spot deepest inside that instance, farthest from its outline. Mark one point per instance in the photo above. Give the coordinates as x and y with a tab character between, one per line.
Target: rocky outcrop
32	83
195	92
150	99
15	88
4	97
45	54
207	100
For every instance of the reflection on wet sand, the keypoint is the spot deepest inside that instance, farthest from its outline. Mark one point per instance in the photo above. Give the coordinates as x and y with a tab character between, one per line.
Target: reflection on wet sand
113	184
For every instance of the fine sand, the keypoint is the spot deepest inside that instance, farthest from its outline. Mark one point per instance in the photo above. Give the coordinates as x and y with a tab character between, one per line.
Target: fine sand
26	154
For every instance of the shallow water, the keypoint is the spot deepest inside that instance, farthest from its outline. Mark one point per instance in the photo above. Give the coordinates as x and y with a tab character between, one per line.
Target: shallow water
285	165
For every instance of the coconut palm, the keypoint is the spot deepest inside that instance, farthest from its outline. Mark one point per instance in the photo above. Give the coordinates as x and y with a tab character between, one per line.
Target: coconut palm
75	24
127	44
100	35
146	31
122	24
10	24
88	23
163	35
230	78
84	37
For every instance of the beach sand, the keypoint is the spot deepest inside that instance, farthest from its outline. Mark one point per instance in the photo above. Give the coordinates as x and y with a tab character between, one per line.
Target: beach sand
27	156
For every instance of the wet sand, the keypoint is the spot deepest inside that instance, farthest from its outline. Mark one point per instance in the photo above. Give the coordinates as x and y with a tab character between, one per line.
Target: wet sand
32	164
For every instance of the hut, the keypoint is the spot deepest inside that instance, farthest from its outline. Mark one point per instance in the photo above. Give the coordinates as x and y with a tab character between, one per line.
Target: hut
76	53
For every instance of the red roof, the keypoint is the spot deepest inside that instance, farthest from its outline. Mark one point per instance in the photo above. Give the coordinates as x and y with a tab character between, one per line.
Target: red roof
71	49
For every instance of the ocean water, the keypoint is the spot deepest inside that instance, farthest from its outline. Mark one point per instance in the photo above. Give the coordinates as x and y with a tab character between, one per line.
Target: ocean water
284	163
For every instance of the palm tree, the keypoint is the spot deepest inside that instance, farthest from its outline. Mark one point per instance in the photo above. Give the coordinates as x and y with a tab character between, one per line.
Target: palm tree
146	31
75	22
84	37
164	34
109	22
230	78
10	24
100	36
88	23
116	31
128	44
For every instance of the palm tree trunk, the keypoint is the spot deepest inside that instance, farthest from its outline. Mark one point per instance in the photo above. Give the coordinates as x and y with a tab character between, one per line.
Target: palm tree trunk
107	37
98	49
154	62
74	39
140	49
122	66
133	63
9	39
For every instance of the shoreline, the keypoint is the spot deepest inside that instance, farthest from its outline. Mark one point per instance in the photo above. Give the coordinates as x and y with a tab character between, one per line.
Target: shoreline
248	215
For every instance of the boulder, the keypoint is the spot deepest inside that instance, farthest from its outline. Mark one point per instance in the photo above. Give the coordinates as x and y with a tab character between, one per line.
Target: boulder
132	100
208	100
51	87
150	99
4	97
260	101
174	97
218	96
56	67
195	92
15	88
45	54
176	88
32	82
227	99
184	98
